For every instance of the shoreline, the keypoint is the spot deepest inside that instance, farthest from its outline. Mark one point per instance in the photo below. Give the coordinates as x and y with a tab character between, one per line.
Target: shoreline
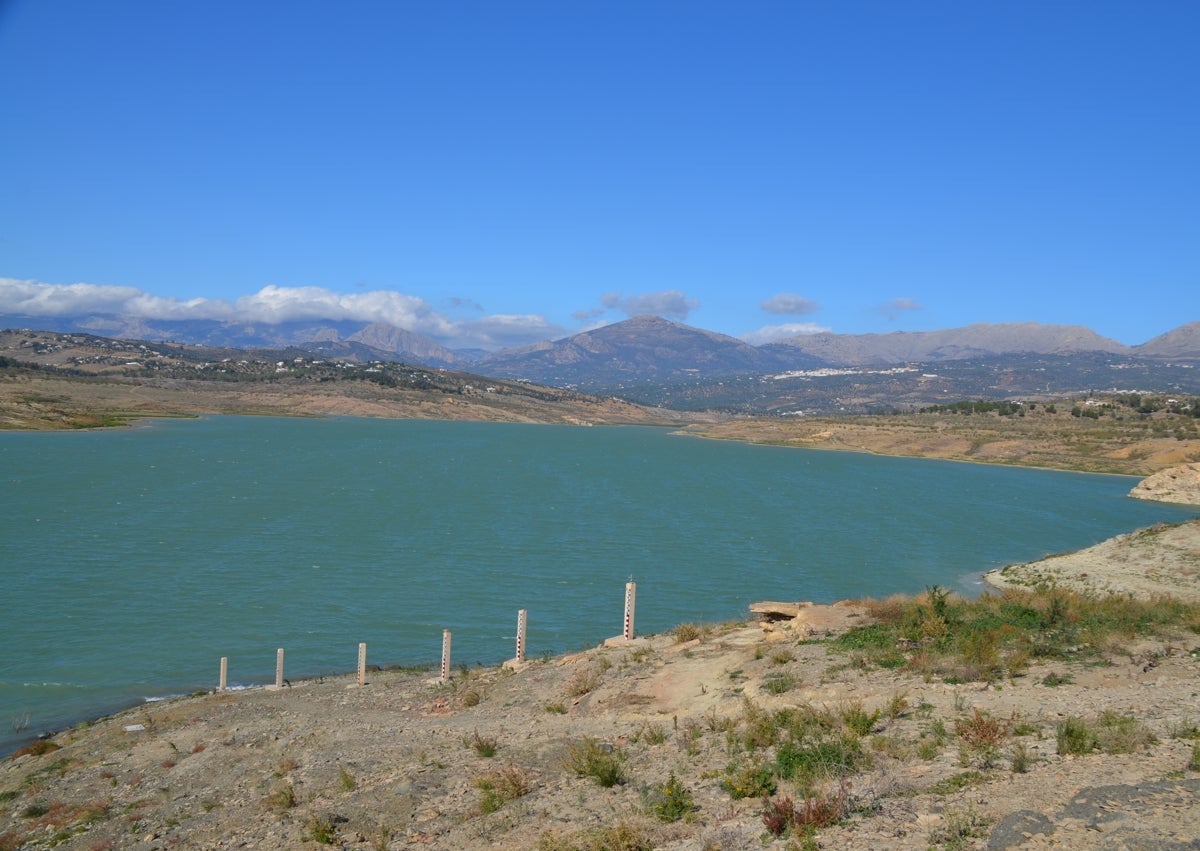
407	760
1103	566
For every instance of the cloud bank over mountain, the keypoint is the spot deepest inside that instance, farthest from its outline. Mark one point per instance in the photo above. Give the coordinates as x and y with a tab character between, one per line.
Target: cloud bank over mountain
276	305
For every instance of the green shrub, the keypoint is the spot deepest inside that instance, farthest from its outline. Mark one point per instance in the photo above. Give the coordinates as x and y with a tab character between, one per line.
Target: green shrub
321	830
779	682
1116	733
808	762
1075	736
748	777
603	763
672	801
507	784
857	720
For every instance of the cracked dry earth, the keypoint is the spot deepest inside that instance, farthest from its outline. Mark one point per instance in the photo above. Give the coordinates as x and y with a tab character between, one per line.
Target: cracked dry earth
395	764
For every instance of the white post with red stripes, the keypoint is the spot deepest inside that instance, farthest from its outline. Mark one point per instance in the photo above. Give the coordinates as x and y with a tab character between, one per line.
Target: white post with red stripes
362	664
445	655
279	668
224	671
630	599
522	620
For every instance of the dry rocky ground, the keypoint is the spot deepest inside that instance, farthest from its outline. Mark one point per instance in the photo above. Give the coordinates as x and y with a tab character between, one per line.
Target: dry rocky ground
407	761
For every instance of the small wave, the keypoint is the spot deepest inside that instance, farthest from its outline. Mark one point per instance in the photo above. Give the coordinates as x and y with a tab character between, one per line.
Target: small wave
54	685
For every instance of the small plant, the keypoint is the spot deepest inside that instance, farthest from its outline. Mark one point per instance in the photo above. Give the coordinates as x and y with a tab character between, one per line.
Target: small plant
672	801
651	734
556	708
282	798
1075	736
1116	733
1020	758
347	781
689	737
471	697
1184	729
957	783
622	836
810	762
958	827
507	784
490	798
928	749
603	763
781	816
982	738
38	748
748	777
779	683
1052	679
686	632
857	720
484	746
582	682
897	706
35	810
1194	762
782	657
321	830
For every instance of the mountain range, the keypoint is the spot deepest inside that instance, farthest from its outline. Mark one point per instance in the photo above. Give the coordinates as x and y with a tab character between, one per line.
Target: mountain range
651	352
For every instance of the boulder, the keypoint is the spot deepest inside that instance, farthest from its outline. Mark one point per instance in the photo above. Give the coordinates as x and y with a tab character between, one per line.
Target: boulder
1176	484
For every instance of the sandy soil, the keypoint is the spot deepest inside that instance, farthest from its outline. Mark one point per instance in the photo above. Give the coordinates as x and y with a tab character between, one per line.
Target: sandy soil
1159	560
395	763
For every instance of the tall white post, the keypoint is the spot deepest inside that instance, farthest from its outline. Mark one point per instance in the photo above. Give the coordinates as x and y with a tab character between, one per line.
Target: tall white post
279	668
362	664
630	599
445	655
521	622
224	671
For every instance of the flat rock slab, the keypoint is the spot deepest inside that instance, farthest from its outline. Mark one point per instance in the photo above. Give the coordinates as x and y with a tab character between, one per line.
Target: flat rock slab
1154	816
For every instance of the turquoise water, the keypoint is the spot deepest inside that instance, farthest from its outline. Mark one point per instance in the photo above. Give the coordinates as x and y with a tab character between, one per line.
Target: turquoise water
133	560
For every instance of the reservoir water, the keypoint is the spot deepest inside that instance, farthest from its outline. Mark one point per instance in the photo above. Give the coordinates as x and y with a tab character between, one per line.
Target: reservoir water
132	560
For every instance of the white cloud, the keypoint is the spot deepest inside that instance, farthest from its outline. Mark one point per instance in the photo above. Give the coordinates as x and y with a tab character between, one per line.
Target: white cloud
33	298
276	305
669	304
789	303
771	333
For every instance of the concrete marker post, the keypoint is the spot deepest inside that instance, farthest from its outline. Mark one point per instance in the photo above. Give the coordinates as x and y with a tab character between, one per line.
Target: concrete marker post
362	664
224	671
279	668
445	655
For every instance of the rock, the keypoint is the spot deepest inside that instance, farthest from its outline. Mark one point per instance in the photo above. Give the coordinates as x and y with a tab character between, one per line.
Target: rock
773	611
1176	484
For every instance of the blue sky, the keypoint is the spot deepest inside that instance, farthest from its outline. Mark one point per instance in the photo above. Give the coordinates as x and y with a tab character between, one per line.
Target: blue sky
495	173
